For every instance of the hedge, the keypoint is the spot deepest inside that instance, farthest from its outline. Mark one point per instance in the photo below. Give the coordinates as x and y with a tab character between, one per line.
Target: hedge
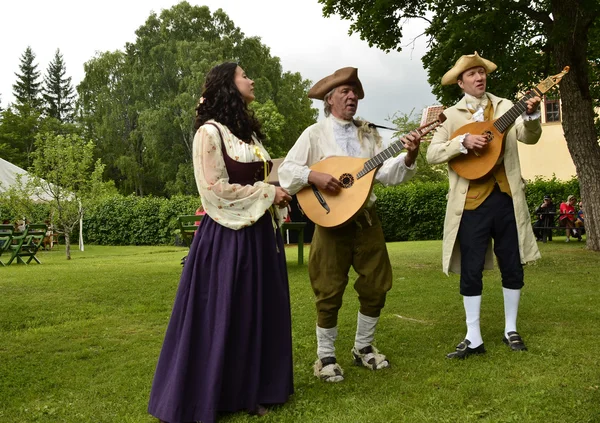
134	220
413	211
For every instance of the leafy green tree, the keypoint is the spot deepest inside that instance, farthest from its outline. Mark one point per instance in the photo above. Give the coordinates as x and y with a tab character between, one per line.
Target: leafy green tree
64	168
16	201
527	39
138	105
58	94
17	135
272	124
405	123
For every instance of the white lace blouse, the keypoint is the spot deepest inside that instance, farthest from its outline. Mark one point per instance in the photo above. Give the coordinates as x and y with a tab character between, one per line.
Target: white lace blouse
232	205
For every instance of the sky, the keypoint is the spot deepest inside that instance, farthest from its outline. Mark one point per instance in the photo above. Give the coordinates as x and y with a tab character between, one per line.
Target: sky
295	31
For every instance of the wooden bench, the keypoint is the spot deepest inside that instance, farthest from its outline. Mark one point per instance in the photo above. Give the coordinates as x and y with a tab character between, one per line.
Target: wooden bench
297	227
6	236
546	230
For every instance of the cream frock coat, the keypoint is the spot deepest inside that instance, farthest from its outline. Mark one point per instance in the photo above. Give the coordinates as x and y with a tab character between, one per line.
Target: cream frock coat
442	149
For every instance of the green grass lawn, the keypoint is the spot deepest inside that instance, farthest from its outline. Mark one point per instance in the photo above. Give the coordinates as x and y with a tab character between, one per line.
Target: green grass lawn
79	341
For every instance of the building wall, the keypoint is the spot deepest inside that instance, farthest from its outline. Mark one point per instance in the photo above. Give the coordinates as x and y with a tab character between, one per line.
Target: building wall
550	156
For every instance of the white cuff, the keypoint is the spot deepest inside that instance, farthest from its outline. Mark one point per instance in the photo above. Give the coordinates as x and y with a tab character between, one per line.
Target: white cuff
534	116
304	175
461	139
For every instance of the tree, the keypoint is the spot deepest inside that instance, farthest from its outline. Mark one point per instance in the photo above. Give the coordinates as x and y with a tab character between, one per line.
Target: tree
58	93
63	168
526	39
27	89
138	105
17	136
405	123
20	121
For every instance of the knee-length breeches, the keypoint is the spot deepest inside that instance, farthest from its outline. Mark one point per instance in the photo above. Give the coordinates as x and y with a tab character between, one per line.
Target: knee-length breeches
494	218
359	244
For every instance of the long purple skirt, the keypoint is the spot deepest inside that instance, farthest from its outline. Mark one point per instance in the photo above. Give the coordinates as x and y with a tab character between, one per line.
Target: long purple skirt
228	343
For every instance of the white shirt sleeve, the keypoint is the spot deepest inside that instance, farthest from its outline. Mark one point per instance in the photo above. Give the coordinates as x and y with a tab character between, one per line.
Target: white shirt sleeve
293	172
394	171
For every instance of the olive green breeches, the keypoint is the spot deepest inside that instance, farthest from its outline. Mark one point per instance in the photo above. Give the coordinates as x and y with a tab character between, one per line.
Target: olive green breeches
359	244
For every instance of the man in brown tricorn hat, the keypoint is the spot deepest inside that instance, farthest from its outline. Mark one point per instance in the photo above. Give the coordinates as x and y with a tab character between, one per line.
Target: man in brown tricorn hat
491	207
359	244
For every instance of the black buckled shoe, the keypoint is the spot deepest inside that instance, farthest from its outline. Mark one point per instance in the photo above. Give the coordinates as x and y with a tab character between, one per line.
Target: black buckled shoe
463	350
514	341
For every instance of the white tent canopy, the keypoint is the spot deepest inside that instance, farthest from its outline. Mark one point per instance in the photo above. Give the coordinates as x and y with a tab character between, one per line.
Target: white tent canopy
8	177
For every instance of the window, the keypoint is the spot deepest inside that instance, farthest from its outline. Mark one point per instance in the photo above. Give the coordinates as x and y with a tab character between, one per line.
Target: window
552	107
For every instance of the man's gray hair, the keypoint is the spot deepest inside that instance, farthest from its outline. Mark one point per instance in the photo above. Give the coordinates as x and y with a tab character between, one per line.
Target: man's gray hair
326	105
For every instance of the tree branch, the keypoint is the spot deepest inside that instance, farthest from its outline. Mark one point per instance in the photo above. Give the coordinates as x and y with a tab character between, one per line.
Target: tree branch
541	17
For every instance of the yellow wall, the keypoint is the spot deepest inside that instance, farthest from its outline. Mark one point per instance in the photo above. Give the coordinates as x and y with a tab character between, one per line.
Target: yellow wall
549	156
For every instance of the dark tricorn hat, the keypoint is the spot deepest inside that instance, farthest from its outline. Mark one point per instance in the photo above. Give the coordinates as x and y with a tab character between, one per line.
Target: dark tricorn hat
339	77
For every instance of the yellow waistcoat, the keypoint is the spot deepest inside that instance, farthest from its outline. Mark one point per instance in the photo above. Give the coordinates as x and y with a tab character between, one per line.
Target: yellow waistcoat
481	188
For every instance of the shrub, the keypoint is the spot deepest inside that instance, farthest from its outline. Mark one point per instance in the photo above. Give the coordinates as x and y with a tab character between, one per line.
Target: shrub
408	212
132	220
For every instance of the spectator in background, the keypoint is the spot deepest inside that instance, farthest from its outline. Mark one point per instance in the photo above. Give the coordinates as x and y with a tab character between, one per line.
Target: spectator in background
199	212
567	217
545	214
580	221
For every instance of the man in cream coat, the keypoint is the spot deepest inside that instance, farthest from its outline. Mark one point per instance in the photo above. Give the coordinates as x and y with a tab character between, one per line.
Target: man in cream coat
359	244
492	207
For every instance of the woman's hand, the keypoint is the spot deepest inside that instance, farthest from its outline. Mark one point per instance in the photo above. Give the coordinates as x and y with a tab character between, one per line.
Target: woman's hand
282	198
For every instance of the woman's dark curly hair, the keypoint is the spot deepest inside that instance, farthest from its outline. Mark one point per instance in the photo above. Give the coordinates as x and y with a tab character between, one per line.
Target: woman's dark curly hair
223	102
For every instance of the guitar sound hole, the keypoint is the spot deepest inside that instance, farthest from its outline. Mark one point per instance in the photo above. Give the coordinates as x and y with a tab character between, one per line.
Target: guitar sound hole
489	135
347	180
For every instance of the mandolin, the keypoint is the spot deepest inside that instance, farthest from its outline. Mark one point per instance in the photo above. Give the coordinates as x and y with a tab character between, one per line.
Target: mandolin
476	165
356	175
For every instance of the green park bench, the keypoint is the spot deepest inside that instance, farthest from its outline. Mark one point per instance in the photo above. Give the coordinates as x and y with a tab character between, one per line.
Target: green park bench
187	227
6	236
26	244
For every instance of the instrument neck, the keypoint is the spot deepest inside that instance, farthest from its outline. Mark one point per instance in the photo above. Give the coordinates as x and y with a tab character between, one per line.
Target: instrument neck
508	118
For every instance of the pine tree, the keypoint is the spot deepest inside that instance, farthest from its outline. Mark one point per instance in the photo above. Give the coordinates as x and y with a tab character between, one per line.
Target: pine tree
58	92
27	89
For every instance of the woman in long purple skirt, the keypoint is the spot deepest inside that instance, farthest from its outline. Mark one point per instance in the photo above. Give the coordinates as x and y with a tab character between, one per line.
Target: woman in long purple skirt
228	343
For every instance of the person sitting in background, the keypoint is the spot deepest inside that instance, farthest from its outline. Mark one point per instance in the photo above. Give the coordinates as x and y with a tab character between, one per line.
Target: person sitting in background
580	221
48	241
545	213
199	212
567	217
20	226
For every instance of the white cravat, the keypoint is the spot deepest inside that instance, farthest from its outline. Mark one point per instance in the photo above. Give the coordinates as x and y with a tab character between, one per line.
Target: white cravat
477	105
346	136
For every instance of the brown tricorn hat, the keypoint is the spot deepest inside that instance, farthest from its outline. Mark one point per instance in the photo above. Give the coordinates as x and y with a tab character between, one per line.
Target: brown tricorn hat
339	77
466	62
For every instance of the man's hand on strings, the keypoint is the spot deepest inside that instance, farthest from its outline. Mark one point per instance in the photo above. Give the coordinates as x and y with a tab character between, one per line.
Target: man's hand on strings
324	182
411	142
532	104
